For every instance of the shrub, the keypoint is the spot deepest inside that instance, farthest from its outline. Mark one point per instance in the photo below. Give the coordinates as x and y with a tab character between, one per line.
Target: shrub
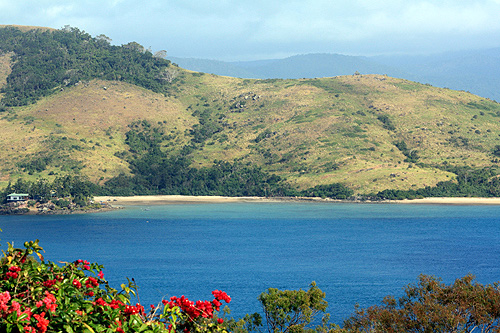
39	296
62	203
432	306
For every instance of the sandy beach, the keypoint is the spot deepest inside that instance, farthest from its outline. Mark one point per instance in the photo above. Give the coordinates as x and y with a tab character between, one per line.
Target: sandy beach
171	199
177	199
452	201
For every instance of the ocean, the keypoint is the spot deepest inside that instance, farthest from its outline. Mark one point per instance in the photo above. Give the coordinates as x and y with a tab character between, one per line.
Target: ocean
356	253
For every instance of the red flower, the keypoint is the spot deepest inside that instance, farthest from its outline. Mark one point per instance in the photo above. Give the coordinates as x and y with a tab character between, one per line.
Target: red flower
130	309
221	295
15	307
115	304
42	322
49	283
4	298
77	284
100	301
216	304
28	312
100	275
49	301
91	282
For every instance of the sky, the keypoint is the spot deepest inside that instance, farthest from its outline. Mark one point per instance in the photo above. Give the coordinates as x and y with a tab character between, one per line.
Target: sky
233	30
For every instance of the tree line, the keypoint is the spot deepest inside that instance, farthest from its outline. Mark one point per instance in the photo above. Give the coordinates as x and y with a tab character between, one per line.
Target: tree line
469	182
79	188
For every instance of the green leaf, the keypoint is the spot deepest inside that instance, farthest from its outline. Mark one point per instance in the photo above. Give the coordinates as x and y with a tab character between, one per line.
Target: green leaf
88	328
68	329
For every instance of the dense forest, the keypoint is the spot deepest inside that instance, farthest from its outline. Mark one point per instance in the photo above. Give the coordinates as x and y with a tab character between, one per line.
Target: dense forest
44	61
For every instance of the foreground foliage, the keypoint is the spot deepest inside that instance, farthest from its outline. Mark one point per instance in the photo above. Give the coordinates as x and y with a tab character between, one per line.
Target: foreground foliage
293	310
432	306
40	296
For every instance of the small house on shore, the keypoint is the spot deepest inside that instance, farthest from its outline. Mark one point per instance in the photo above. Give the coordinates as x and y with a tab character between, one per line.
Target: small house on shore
16	197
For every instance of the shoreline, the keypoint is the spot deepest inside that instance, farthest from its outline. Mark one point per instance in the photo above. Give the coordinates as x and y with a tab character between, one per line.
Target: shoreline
451	201
139	200
111	203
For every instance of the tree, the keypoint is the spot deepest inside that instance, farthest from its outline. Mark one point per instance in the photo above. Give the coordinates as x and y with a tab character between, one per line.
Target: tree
168	75
160	54
135	47
432	306
292	310
496	150
40	190
103	40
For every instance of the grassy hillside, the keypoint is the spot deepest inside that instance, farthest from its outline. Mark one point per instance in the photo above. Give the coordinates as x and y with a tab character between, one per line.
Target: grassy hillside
368	132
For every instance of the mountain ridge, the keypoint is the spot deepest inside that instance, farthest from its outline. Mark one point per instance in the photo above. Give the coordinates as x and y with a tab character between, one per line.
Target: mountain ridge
475	71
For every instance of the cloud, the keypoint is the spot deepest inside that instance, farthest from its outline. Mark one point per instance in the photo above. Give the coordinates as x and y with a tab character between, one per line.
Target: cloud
322	20
232	28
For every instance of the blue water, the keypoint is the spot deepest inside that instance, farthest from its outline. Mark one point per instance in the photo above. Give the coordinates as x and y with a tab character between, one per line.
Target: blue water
356	253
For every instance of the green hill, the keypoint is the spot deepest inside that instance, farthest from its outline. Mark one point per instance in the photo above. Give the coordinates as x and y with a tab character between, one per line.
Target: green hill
104	110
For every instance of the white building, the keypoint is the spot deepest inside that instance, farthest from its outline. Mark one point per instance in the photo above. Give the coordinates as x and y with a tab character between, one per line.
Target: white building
14	197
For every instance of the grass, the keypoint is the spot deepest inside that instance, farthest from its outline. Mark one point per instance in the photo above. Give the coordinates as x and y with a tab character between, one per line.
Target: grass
320	131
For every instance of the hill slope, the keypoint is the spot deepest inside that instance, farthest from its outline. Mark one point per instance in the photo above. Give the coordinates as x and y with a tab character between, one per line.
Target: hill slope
473	71
368	132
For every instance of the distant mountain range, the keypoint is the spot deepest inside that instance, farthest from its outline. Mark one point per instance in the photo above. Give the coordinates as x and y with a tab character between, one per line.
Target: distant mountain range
475	71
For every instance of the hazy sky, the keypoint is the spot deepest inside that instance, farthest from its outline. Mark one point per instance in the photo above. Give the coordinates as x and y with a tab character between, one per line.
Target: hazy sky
263	29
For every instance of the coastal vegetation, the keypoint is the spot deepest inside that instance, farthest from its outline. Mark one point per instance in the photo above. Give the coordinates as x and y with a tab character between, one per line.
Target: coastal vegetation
37	295
62	195
131	122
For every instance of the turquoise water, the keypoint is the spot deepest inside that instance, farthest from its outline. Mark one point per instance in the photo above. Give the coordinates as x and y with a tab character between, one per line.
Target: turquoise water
356	253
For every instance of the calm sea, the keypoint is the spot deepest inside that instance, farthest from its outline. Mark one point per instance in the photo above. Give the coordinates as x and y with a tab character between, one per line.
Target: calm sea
356	253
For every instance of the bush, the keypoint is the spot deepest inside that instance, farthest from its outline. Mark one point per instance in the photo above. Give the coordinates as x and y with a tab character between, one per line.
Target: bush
62	203
39	296
432	306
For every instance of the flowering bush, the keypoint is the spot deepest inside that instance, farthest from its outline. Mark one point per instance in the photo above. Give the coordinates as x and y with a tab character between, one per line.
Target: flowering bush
39	296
